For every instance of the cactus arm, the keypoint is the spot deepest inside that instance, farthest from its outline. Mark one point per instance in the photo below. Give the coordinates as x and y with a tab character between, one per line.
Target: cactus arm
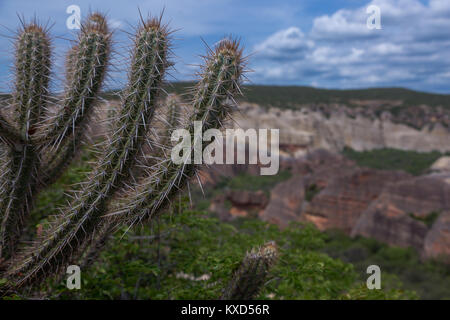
249	278
80	219
32	68
32	77
220	82
86	67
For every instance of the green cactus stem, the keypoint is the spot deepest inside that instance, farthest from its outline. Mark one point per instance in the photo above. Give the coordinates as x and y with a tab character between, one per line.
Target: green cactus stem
86	68
32	69
251	275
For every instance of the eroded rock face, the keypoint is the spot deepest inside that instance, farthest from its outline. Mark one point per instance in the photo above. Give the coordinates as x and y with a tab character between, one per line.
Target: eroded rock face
286	201
337	126
389	224
441	165
238	203
349	192
437	241
403	214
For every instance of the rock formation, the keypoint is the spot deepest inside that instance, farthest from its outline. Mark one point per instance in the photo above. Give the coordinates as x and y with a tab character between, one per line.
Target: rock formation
406	212
338	126
441	165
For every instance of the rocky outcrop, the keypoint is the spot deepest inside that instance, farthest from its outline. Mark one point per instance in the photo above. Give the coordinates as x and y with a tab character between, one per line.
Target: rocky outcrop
405	212
347	195
286	201
441	165
338	126
238	203
437	240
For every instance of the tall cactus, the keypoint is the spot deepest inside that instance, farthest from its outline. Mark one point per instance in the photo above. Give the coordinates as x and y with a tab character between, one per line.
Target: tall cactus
34	155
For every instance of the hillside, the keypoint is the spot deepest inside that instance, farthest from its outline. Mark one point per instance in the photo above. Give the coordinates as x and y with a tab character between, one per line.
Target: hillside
293	96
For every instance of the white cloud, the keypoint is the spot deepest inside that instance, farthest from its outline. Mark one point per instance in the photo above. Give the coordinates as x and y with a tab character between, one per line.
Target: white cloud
288	43
412	49
387	48
342	24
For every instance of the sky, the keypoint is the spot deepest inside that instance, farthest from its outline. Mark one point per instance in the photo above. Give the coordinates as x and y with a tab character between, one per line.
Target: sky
319	43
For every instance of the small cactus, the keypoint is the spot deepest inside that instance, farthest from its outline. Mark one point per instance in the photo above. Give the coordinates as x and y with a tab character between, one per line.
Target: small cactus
251	275
36	147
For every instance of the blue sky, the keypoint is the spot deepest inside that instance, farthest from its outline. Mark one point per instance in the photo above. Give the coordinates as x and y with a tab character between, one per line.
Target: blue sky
321	43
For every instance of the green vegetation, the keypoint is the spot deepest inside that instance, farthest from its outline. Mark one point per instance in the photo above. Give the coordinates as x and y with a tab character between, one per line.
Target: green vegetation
413	162
311	191
429	279
191	256
201	198
400	267
254	183
428	219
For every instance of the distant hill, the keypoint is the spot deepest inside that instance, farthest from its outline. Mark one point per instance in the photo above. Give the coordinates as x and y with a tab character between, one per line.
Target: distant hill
292	96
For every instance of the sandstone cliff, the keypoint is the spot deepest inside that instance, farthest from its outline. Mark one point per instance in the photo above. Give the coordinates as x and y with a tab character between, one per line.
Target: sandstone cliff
307	129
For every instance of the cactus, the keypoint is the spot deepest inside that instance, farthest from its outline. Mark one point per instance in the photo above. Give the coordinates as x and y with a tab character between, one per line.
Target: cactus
32	70
37	146
251	274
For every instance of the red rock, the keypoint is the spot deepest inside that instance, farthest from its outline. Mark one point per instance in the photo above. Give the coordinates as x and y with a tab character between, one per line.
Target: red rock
394	218
437	241
238	203
348	193
285	202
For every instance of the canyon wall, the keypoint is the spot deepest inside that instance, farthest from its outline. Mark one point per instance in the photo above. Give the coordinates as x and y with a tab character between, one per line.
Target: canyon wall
307	129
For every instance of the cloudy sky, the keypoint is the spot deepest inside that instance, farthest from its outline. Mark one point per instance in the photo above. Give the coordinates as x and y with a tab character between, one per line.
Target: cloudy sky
321	43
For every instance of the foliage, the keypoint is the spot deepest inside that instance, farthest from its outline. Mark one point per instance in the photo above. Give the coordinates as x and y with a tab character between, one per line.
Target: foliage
401	268
311	191
254	183
430	279
429	219
191	256
413	162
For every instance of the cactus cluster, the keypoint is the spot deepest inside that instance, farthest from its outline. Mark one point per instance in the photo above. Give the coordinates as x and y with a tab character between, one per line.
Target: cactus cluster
38	144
